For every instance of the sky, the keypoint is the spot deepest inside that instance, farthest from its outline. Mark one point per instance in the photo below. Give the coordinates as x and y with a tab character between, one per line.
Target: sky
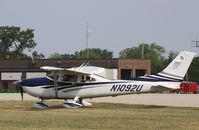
61	25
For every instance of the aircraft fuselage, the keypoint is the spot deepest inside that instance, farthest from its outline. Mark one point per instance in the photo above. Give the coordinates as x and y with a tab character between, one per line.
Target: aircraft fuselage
45	89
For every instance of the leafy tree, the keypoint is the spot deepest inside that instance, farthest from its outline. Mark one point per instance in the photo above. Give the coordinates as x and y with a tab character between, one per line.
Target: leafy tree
56	56
151	51
171	56
37	55
68	56
94	53
193	72
14	42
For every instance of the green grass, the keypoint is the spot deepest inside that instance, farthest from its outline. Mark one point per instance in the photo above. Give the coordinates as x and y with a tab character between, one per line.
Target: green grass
103	116
8	93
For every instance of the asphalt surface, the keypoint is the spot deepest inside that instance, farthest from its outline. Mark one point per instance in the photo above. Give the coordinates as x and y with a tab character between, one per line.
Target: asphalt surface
179	100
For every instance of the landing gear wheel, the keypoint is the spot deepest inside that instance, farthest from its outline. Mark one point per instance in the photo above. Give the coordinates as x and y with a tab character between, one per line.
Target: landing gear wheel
40	105
76	103
71	104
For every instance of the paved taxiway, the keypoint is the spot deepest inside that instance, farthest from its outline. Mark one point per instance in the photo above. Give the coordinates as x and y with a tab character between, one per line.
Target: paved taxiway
179	100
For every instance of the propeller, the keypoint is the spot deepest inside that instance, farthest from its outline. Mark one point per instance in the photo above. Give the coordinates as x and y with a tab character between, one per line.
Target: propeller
18	84
23	76
21	91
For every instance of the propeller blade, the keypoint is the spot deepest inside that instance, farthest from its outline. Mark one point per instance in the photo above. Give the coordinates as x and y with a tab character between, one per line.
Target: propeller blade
21	91
23	76
18	84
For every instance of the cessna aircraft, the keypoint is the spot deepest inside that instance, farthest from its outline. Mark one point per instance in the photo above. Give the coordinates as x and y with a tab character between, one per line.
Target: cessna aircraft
78	83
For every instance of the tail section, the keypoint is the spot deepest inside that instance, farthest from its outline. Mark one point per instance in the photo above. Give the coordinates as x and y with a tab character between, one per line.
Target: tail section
179	66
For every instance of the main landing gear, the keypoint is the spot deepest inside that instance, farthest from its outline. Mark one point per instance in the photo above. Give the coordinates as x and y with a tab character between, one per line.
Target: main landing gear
76	103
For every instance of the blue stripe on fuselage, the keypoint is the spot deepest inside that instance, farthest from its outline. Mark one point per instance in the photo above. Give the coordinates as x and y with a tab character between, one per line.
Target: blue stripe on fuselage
155	79
32	82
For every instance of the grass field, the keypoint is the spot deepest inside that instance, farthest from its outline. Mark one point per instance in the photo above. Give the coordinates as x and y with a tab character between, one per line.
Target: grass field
20	115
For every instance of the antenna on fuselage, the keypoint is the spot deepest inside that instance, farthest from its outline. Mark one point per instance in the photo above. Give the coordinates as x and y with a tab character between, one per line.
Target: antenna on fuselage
84	64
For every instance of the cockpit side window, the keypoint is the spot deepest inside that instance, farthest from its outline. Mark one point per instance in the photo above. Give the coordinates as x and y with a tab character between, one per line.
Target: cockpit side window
87	79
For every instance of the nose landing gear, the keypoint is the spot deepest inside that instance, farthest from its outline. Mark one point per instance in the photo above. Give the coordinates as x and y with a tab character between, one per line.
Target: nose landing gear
40	105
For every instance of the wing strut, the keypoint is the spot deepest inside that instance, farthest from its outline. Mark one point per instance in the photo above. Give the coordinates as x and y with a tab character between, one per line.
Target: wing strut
55	84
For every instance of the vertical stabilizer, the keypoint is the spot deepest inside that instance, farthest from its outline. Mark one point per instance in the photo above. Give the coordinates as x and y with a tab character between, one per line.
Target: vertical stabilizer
179	66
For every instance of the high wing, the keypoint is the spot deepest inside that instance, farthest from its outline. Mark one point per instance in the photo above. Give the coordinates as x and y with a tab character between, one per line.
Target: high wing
74	71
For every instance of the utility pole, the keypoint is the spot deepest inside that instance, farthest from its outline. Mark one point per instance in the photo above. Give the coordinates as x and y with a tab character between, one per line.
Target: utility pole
196	43
87	37
142	50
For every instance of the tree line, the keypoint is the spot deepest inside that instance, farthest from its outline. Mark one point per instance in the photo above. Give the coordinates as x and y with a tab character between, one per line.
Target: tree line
15	43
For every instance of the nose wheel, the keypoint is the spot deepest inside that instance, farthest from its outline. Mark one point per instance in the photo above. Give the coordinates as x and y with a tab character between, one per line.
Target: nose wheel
40	105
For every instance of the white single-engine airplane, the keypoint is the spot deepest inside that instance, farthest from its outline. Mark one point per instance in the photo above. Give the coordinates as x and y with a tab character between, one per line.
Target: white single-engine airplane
78	83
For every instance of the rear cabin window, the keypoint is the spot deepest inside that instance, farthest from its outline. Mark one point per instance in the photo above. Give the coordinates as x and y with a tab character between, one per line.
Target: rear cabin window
87	79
